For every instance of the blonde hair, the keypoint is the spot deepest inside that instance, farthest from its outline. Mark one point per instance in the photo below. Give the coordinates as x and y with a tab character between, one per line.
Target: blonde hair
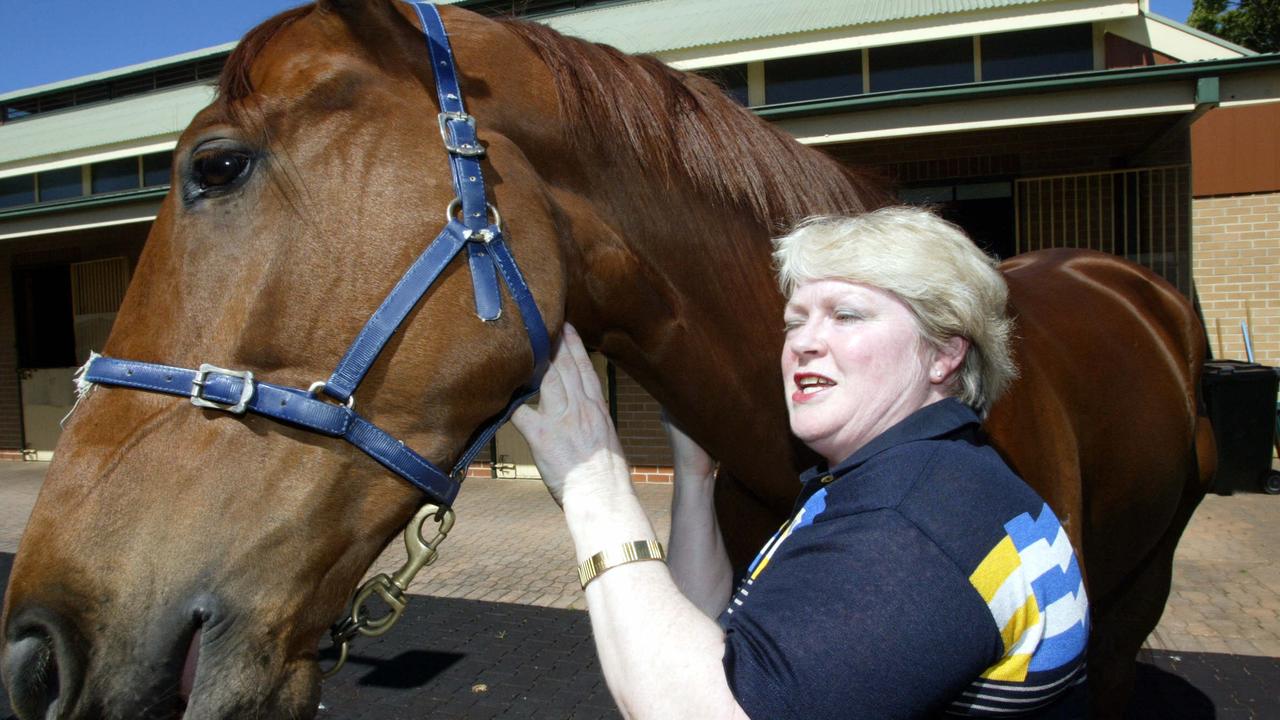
951	286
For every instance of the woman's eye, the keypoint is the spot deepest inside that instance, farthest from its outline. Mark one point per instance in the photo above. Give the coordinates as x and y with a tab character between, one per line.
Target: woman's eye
847	316
789	325
219	168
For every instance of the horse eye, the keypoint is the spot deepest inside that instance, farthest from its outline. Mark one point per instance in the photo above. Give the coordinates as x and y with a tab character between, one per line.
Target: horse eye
219	168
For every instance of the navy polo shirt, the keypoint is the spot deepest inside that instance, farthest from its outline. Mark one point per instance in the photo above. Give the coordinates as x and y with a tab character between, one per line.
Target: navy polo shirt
918	577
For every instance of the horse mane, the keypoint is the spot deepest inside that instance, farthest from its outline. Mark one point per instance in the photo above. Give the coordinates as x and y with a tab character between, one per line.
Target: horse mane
697	131
234	83
681	123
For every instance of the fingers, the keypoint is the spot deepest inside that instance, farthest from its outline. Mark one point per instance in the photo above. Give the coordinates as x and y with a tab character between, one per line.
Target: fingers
569	378
586	372
525	420
552	396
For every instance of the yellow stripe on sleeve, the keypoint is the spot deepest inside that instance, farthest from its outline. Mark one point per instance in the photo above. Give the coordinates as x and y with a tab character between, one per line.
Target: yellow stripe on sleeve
786	532
1025	617
1010	669
995	568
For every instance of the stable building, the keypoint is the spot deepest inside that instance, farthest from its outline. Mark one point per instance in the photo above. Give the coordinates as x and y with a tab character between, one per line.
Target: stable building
1031	123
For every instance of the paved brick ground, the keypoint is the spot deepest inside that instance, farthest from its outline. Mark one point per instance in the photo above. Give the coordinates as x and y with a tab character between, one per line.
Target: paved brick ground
510	545
502	638
1226	585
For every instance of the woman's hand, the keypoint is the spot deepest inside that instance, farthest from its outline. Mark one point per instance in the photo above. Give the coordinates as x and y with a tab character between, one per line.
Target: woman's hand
691	462
573	440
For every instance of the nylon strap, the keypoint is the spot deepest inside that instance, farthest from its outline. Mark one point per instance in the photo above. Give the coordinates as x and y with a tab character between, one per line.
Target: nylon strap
285	404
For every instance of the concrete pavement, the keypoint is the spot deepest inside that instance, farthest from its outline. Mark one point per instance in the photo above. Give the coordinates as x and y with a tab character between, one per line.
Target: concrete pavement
501	636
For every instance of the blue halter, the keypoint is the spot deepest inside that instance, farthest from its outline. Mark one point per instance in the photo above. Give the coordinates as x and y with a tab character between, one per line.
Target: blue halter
237	392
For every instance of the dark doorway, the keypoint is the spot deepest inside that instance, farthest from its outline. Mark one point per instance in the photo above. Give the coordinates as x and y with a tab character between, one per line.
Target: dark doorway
983	209
43	316
989	221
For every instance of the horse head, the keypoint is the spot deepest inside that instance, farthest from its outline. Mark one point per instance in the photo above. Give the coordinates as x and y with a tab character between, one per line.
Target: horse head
172	540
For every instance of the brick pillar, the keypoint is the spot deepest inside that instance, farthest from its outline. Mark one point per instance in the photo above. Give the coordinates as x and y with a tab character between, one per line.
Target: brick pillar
1236	266
10	403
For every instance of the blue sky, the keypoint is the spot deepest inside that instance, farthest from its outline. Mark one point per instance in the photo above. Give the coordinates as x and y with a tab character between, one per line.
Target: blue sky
46	41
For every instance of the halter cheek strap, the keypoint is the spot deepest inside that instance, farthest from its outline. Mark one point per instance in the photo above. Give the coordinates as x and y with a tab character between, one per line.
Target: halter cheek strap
471	222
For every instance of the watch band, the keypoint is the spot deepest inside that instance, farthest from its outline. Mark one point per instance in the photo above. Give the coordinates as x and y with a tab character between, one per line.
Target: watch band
630	552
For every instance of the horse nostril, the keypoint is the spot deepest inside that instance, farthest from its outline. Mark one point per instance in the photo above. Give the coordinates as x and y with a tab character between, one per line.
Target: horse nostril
39	665
31	674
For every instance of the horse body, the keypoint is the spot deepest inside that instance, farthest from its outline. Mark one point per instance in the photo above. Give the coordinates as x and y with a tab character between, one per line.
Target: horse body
171	542
1103	423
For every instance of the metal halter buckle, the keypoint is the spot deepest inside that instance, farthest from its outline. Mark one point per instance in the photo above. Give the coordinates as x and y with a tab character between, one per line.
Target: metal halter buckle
467	150
198	384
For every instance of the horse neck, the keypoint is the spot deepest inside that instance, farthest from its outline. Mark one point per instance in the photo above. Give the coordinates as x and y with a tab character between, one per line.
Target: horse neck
680	294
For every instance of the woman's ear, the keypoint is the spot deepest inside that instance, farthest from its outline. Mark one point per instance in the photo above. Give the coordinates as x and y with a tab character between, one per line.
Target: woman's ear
948	357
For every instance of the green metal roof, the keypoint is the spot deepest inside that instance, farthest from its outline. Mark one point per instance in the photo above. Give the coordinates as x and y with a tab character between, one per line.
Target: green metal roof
120	71
160	115
650	26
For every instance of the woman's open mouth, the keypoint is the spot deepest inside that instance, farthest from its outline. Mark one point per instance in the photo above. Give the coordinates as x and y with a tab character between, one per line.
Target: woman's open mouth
809	386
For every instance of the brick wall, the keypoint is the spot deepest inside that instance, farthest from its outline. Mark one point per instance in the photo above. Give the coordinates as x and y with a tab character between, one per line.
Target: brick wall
10	405
1236	264
640	429
480	469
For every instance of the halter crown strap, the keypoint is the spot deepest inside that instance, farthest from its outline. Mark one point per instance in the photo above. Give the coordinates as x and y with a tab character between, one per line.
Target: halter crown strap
486	242
237	391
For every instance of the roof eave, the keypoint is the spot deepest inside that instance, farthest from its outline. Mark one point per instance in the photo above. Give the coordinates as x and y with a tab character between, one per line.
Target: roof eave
1023	86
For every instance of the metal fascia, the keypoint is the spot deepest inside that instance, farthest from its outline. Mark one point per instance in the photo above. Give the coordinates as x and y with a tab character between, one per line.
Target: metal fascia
1077	81
85	202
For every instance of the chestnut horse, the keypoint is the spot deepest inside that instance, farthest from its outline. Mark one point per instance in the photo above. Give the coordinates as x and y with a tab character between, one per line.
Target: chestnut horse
639	203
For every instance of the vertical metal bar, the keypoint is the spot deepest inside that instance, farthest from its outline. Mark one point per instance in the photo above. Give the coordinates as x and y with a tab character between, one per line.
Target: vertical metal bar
1075	209
1151	222
1164	224
1124	214
1088	211
1185	216
1060	213
1111	206
1038	216
1017	216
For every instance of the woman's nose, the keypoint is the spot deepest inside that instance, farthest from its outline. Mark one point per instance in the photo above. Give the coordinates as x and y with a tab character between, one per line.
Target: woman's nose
806	339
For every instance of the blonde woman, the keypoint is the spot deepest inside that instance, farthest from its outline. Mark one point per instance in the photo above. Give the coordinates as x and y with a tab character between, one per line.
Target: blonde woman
917	575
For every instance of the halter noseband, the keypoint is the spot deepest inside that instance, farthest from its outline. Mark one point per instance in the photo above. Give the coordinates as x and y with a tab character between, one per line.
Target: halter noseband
238	392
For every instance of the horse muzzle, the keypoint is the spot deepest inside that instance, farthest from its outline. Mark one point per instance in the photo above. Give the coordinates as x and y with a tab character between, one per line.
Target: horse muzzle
173	669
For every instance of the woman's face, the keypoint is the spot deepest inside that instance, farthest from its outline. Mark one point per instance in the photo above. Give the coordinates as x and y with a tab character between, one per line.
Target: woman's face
854	364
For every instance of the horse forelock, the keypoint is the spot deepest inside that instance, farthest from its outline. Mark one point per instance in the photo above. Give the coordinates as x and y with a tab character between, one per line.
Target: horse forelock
685	125
235	82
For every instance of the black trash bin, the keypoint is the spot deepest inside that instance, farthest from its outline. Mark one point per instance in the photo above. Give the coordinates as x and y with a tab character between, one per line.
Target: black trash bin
1241	401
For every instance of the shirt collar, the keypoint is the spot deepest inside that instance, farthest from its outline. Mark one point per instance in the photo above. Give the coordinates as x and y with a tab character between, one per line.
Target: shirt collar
945	417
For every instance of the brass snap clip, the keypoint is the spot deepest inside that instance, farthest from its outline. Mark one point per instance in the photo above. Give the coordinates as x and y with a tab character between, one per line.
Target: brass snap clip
391	589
